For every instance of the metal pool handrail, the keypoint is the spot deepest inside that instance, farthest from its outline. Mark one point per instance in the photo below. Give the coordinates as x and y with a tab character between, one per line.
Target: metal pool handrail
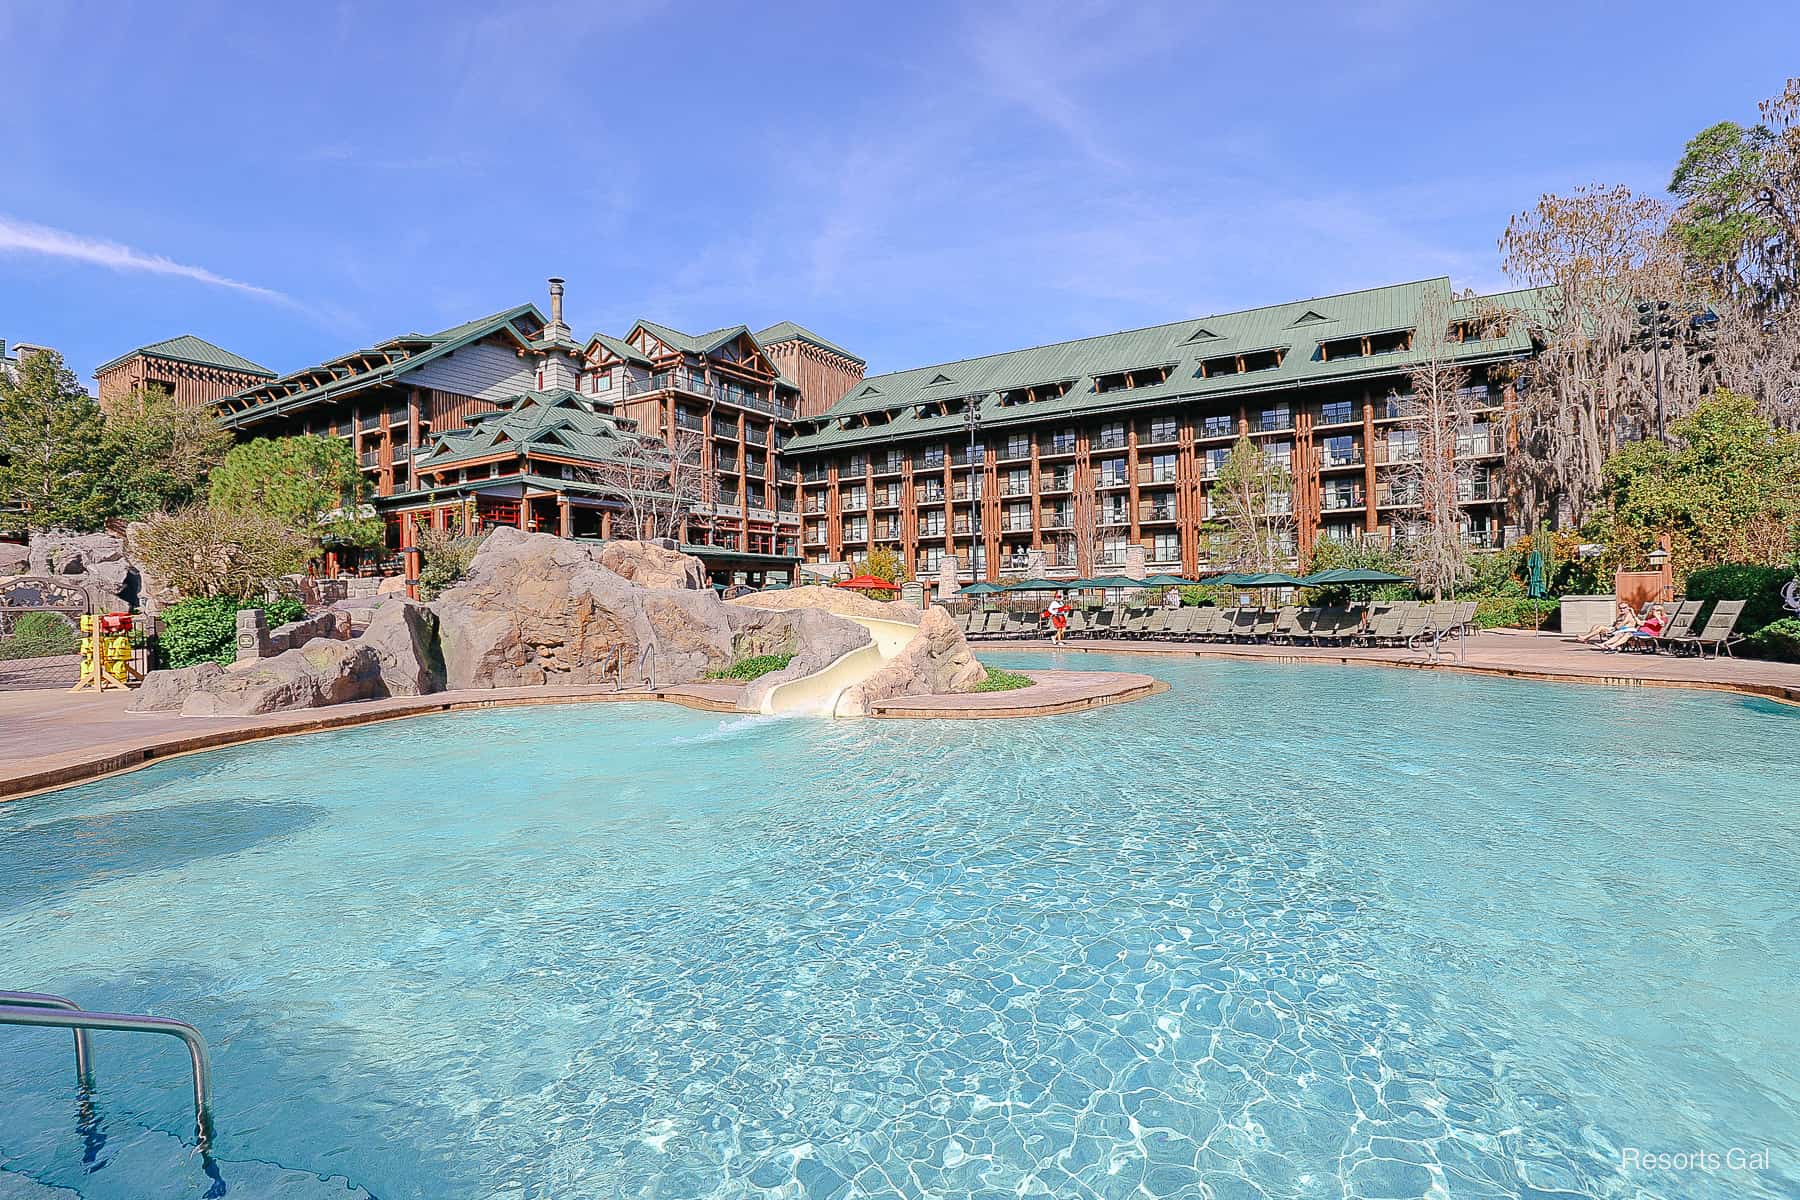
57	1012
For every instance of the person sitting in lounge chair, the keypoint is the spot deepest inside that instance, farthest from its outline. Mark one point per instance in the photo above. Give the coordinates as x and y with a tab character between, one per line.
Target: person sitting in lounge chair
1625	622
1651	627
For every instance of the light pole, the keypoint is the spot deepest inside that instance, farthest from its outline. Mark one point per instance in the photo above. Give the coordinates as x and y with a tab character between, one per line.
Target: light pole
972	418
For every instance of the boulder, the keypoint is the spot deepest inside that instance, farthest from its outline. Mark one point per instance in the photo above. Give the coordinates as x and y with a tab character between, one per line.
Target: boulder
59	553
404	636
651	565
324	671
167	691
935	663
15	559
833	600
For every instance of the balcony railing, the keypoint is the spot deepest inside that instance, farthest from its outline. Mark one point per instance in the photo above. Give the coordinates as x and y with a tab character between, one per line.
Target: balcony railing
402	452
1110	442
1056	483
694	385
1156	512
1116	480
1014	451
1147	474
1338	501
1353	458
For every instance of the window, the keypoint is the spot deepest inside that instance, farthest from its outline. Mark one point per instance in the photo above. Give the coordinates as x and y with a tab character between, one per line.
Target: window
1112	551
934	489
1402	445
1062	441
931	458
1164	429
889	462
856	529
815	531
1334	412
931	523
1274	419
1239	364
1215	460
1115	510
1218	426
856	497
857	464
1111	436
1158	468
1112	472
1165	548
1017	482
1341	451
1280	454
1018	518
1018	445
930	559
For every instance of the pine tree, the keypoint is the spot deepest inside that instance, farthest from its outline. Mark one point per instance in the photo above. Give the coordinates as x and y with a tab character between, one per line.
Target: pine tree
52	464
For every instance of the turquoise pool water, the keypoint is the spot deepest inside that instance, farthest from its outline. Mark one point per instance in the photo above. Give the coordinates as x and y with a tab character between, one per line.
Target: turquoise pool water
1280	932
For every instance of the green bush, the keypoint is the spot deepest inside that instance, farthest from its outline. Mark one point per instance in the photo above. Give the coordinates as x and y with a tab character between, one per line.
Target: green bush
40	635
1003	681
1778	639
204	629
1516	612
754	667
1760	587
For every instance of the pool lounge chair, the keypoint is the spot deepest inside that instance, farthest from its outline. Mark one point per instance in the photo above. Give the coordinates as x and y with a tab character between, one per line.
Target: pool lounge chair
1681	624
1102	625
1719	632
1287	624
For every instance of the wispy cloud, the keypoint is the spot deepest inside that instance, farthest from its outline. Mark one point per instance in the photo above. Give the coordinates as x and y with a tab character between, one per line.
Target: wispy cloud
23	237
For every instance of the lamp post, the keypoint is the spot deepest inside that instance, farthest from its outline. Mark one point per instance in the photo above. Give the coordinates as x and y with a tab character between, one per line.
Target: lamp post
972	418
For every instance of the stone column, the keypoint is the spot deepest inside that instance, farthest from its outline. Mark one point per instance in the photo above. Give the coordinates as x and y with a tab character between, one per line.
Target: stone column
1135	566
947	585
252	635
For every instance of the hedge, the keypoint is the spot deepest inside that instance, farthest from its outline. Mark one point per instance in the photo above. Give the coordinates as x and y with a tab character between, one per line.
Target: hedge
1759	587
204	629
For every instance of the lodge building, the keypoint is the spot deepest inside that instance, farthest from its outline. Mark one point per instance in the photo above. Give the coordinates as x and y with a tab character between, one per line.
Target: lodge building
1071	458
1138	425
508	420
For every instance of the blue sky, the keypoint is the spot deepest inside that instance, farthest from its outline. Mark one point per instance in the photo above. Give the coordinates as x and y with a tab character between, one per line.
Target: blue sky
919	182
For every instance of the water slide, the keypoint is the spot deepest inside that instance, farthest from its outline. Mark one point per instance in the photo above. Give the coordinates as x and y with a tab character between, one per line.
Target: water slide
818	694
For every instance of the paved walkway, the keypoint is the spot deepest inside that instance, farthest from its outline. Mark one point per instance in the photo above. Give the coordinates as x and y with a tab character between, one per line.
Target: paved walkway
1520	654
53	738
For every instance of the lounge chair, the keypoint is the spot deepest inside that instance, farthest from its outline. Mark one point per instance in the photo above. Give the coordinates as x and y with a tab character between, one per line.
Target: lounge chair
1680	625
1102	624
1287	624
1384	627
1719	632
1193	623
1264	628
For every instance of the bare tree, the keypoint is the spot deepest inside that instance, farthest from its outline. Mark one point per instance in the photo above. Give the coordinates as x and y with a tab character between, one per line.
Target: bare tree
1436	415
657	484
1084	530
1253	503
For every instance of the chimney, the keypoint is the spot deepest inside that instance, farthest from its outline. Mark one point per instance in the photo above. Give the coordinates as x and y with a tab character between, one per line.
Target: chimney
557	328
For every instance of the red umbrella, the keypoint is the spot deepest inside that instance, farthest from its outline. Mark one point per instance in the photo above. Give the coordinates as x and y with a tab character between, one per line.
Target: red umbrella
868	583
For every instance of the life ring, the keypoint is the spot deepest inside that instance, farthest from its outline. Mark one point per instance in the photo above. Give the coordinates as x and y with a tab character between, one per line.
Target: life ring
1790	595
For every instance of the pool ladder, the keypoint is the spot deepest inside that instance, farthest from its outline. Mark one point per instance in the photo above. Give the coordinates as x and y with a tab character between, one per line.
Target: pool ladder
58	1012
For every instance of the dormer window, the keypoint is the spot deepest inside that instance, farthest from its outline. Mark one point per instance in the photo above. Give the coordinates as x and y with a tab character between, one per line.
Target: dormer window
1240	364
1036	392
1365	346
1136	377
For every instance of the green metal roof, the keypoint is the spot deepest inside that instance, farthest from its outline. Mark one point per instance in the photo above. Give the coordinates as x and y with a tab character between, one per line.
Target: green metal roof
190	349
693	343
1294	329
788	331
558	422
397	355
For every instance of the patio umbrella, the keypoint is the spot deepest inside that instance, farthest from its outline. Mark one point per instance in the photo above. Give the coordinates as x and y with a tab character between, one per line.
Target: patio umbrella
1271	579
868	583
979	589
1167	581
1535	587
1112	581
1353	575
1228	579
1037	585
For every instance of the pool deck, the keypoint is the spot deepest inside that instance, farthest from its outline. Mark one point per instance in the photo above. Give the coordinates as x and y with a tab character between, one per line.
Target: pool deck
1513	653
50	739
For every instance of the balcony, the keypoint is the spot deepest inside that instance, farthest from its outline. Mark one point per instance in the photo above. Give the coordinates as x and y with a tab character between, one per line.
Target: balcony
1110	442
402	452
1015	451
1330	461
891	465
1115	516
1059	520
1057	446
693	385
368	421
1339	501
1153	513
370	458
1056	483
1274	423
1165	435
1016	524
1149	474
1118	480
756	435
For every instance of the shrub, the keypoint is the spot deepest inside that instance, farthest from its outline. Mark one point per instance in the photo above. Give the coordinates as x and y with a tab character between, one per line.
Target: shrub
1778	639
40	635
754	667
204	629
1003	681
203	552
1760	587
1516	612
445	557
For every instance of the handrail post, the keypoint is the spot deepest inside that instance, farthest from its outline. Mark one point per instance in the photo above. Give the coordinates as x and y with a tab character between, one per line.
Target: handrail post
84	1048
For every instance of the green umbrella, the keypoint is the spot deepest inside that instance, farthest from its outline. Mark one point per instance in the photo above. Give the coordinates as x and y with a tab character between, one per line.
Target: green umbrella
1113	581
1036	585
1535	588
1271	579
1353	575
1167	581
1228	579
979	589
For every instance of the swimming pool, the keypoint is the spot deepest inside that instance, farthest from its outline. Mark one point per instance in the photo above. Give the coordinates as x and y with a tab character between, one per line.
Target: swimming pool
1281	931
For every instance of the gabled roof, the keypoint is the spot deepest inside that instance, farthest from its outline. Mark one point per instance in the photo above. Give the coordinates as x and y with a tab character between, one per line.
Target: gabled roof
620	348
559	422
702	343
1292	330
383	361
190	349
788	331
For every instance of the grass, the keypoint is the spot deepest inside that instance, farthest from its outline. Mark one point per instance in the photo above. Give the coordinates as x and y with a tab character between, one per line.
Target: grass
756	667
1003	681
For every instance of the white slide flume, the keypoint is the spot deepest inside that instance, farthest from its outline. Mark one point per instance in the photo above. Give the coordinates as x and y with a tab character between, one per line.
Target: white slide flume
818	694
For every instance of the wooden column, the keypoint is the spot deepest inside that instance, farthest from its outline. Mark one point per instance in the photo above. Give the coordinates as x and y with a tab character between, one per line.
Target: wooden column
834	522
565	518
909	515
1037	515
1131	479
1371	515
1308	487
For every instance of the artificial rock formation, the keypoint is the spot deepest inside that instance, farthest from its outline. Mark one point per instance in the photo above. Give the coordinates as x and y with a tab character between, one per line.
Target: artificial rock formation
95	561
537	610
